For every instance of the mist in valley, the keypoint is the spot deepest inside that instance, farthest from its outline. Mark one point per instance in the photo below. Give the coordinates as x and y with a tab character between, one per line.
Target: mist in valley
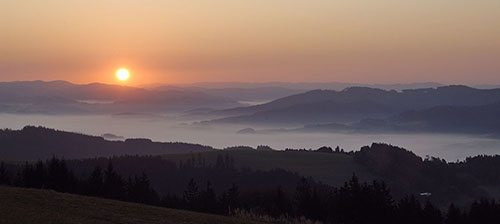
165	128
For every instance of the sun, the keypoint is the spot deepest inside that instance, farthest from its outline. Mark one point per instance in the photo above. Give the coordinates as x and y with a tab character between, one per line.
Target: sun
122	74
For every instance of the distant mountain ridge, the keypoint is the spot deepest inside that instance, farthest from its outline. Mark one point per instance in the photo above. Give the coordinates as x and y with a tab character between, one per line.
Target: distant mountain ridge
267	91
477	120
357	103
466	119
61	97
309	85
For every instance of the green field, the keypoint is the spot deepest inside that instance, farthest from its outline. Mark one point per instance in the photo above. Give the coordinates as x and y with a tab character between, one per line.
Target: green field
20	205
330	168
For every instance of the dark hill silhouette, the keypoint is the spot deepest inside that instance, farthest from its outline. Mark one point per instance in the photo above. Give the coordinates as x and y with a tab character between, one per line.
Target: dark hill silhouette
377	101
61	97
309	85
316	112
33	143
481	120
466	119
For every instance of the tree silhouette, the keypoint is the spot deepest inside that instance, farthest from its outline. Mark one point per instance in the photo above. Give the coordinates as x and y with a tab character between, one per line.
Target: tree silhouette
230	200
4	174
191	195
208	200
95	182
113	183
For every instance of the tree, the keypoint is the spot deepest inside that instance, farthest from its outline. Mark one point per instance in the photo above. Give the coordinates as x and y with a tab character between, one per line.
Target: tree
230	200
191	195
453	216
409	210
303	196
431	214
281	203
4	174
95	182
113	183
138	190
59	177
208	199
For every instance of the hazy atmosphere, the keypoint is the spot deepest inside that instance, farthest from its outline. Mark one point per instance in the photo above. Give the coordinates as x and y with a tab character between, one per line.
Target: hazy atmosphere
448	146
385	41
233	111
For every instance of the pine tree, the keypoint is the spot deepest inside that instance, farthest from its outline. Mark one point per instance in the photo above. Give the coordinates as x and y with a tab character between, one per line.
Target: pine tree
431	214
303	196
208	199
453	216
230	200
113	185
95	182
191	195
4	175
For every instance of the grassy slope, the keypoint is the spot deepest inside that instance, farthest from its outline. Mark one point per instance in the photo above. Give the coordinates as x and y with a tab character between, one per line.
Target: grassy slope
20	205
330	168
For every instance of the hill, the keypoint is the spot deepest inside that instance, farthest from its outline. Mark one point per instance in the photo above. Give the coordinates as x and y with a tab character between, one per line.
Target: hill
357	103
61	97
312	113
32	143
310	85
330	168
480	120
20	205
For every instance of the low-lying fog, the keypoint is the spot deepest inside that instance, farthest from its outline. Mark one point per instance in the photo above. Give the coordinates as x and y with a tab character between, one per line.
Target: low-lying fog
158	128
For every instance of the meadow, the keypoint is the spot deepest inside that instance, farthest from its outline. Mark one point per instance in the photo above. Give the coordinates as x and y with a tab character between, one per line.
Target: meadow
21	205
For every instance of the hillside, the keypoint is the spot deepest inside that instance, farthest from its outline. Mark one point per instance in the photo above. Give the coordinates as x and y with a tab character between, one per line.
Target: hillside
313	85
32	143
359	102
316	112
330	168
467	119
21	206
481	120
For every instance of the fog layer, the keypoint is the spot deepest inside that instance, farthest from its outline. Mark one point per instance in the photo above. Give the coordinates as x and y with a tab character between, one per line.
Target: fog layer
162	128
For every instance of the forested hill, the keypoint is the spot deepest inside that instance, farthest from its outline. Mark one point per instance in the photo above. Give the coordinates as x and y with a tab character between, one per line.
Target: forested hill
32	143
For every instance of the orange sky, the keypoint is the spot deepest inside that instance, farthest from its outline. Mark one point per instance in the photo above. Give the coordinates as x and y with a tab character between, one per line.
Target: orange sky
370	41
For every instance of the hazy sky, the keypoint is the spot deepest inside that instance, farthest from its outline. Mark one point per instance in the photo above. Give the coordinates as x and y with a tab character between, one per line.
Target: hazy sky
371	41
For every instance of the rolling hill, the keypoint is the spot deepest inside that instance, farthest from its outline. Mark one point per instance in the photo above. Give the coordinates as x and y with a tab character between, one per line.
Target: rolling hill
356	103
21	206
480	120
32	143
61	97
310	85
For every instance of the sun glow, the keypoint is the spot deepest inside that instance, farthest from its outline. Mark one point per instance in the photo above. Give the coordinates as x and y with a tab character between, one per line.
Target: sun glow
122	74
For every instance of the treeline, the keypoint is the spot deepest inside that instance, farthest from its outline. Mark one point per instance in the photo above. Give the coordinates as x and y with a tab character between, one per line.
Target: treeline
171	176
107	183
406	173
354	202
323	149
